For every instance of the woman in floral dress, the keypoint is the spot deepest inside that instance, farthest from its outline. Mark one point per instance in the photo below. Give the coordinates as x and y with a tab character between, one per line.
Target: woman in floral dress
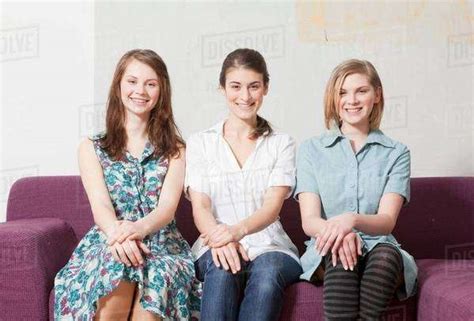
133	263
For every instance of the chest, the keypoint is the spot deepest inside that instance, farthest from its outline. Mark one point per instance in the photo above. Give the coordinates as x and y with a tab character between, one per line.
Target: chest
241	149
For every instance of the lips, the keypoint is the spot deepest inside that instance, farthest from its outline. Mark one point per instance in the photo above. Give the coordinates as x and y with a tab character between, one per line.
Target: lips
139	101
353	110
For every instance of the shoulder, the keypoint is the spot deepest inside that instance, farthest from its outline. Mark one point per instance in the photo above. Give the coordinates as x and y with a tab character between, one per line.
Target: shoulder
280	138
86	146
398	147
313	144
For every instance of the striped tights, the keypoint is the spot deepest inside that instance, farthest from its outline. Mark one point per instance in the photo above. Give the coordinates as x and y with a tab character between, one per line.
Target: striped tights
362	294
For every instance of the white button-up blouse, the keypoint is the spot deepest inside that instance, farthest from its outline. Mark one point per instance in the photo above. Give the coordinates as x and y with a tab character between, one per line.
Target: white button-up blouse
236	193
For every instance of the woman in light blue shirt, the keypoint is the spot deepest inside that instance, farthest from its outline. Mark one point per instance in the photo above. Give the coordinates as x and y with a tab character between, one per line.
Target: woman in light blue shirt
351	184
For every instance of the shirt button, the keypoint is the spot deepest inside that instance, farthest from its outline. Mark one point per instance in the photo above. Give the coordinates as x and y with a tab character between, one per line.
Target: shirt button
352	185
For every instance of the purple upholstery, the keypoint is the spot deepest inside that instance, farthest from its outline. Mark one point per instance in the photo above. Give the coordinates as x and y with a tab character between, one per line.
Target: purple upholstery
437	224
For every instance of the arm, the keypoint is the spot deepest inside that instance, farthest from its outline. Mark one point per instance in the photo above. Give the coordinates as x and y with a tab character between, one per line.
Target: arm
267	214
93	180
165	211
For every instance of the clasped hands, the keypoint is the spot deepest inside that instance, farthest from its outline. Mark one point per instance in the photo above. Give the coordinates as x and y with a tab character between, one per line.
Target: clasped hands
338	236
125	241
224	240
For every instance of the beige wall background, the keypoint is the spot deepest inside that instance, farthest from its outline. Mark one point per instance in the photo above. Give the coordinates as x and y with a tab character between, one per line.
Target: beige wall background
57	60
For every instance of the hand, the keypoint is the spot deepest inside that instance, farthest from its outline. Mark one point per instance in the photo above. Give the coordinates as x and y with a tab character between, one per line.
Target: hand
126	230
223	234
228	256
128	252
348	252
334	231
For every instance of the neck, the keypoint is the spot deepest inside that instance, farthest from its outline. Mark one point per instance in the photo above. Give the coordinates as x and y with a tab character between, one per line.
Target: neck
239	127
355	131
136	126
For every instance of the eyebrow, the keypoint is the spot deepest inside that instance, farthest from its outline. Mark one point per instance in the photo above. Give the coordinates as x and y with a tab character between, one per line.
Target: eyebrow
145	80
252	83
365	86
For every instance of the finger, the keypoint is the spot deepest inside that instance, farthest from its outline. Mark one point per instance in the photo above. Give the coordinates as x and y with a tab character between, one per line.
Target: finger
329	243
222	260
353	250
337	242
136	252
114	254
222	241
348	254
359	245
214	257
144	248
342	258
230	259
334	258
243	252
125	235
129	253
205	239
122	255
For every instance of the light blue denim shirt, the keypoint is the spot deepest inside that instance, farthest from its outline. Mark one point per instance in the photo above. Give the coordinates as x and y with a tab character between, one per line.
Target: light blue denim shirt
349	182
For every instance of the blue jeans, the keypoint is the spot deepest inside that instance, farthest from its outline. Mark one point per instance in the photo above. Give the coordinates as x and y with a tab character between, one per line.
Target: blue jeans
254	293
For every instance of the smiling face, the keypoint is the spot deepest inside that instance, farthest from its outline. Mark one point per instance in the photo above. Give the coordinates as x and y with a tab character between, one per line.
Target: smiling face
139	88
244	91
356	100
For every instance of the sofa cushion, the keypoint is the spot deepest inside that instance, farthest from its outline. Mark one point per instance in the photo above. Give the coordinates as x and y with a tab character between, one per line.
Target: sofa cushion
446	290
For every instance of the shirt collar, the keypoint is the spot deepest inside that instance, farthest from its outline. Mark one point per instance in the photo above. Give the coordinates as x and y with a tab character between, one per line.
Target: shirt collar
217	128
375	136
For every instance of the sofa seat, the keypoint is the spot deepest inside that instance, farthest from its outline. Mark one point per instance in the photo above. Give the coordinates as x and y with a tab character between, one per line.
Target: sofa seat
446	290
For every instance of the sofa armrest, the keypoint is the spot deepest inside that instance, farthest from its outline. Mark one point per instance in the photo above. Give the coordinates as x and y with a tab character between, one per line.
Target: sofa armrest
32	251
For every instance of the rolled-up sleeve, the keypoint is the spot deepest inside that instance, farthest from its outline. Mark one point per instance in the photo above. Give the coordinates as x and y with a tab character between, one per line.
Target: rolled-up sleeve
197	176
399	176
283	173
305	171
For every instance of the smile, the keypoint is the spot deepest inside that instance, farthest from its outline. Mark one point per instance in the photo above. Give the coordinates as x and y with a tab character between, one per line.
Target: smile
139	101
353	110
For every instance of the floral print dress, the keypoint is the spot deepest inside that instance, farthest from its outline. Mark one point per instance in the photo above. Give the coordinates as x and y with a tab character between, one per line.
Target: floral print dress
166	281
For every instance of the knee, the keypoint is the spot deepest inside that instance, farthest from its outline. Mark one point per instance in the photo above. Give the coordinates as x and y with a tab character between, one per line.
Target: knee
268	282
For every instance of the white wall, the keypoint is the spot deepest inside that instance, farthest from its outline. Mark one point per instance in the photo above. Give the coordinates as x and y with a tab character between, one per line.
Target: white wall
57	61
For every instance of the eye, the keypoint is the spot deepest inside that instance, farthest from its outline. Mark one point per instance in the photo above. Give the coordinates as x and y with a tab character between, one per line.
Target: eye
255	87
131	81
152	84
342	93
234	86
363	91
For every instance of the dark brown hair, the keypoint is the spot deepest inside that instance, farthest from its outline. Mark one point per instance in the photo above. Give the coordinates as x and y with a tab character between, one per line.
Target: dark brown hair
163	133
253	60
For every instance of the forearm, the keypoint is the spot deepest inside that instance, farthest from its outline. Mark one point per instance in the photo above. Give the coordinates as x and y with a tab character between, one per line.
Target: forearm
313	225
104	218
157	219
258	221
204	220
378	224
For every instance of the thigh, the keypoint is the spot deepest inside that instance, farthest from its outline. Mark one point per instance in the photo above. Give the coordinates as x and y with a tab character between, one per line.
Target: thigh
140	314
117	304
275	265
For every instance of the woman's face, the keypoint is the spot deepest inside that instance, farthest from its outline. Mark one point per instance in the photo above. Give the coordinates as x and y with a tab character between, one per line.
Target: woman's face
357	99
139	88
244	91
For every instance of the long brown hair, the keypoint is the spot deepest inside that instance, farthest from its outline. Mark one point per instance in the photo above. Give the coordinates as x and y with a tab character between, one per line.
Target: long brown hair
333	88
253	60
162	131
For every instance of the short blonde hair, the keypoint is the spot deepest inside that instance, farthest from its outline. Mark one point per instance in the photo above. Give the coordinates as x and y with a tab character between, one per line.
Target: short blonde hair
333	87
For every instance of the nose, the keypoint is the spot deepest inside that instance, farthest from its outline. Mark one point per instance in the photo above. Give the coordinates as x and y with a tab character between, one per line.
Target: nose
140	89
244	94
352	99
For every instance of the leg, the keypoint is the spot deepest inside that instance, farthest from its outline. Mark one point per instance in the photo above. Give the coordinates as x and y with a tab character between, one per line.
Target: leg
268	275
116	305
383	270
140	314
221	291
341	291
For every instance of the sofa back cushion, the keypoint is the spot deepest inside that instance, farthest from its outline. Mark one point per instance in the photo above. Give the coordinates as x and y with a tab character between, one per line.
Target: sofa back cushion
437	223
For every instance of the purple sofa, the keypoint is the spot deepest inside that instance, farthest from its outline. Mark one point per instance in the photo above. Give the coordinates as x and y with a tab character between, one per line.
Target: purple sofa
46	216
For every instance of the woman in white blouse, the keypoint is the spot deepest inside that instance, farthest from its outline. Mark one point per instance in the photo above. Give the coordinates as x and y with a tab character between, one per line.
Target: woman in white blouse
238	174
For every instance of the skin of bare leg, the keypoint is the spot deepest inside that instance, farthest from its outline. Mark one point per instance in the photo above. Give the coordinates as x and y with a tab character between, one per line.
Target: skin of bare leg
117	305
140	314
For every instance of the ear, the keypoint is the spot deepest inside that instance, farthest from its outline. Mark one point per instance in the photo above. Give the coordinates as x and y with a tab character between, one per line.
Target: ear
222	90
265	92
378	95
